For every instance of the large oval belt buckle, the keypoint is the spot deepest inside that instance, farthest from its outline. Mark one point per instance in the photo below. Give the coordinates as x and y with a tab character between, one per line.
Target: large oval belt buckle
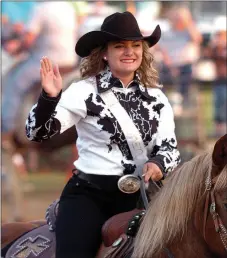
129	184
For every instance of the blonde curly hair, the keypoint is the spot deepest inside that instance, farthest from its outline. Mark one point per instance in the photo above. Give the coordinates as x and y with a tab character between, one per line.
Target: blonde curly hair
94	63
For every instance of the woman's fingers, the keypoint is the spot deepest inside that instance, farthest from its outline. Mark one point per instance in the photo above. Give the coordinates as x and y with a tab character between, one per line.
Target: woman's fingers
46	64
145	175
50	77
151	171
43	66
56	71
50	68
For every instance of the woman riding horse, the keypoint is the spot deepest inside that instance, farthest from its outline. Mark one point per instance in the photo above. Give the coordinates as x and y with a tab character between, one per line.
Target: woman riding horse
187	218
116	66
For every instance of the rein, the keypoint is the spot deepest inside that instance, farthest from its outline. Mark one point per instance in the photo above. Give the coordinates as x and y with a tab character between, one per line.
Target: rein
219	226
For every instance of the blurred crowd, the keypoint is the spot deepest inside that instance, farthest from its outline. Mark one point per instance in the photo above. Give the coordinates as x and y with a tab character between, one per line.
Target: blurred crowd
184	56
32	29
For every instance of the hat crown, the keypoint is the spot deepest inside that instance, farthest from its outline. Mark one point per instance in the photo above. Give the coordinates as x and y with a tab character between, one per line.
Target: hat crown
118	26
122	24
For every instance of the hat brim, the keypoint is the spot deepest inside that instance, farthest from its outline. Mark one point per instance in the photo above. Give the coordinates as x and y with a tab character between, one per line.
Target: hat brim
94	39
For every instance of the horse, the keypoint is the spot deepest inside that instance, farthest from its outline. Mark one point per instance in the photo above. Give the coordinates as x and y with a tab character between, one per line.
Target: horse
186	218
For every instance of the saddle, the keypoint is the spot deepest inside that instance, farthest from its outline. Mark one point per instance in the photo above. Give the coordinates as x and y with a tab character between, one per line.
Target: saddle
40	241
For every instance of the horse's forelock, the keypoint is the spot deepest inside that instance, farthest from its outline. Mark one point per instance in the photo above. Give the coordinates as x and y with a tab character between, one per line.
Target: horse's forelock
170	210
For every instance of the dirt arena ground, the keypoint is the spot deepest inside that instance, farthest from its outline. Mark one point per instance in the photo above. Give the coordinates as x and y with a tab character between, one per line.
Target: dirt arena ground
39	192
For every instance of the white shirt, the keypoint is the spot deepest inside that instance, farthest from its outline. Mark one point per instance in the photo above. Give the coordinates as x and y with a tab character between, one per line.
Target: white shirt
101	144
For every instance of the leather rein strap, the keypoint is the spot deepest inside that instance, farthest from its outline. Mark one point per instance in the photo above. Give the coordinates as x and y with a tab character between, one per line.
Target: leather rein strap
219	226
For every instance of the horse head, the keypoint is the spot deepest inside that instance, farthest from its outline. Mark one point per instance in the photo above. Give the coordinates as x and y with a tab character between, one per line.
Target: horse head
215	213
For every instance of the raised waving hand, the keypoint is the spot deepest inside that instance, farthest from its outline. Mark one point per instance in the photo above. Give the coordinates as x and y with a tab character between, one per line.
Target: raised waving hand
51	79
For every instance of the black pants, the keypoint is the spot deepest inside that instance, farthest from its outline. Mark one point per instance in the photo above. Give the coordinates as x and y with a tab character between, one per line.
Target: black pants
83	209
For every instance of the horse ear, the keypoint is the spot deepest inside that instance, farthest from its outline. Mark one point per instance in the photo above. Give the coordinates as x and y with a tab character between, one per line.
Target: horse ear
219	155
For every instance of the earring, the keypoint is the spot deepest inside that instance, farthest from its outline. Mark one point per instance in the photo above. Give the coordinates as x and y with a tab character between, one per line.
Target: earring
105	58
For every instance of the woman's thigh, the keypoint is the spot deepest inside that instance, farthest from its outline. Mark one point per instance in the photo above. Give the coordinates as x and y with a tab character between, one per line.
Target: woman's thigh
80	219
78	227
123	202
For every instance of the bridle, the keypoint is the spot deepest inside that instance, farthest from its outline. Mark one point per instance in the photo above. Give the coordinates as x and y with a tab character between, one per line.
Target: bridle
219	226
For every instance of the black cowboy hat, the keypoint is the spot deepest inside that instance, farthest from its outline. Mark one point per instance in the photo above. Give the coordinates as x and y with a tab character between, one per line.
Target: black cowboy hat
117	26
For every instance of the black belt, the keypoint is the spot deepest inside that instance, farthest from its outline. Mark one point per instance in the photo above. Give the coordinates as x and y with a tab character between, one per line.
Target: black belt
99	180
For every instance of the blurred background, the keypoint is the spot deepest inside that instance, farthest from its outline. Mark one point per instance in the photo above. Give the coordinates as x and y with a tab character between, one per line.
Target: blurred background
190	57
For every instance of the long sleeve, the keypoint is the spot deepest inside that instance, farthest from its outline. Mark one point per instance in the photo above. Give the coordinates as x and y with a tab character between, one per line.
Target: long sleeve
165	153
41	123
52	116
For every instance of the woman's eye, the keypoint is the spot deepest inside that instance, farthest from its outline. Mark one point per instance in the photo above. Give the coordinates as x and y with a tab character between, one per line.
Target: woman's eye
118	46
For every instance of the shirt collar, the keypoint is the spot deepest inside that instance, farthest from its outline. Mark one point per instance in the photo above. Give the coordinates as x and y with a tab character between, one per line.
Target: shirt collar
105	81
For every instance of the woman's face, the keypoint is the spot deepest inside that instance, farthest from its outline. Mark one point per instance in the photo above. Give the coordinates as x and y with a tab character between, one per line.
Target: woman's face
124	57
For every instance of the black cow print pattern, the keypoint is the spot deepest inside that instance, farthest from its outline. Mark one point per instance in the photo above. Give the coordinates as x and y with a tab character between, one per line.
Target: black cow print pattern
145	107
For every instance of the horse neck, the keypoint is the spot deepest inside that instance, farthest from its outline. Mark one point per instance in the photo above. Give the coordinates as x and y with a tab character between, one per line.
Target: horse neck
210	236
190	245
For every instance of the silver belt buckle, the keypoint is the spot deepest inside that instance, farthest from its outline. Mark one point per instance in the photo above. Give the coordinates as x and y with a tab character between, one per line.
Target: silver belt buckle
129	184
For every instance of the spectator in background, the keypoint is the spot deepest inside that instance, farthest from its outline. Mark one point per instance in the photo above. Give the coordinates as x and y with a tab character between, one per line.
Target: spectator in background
14	17
52	30
179	46
98	10
82	10
217	51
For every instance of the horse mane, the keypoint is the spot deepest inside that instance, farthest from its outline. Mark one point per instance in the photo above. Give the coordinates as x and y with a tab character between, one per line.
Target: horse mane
170	209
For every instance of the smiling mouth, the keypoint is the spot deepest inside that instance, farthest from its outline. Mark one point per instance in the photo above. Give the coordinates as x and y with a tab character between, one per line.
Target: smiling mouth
128	61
